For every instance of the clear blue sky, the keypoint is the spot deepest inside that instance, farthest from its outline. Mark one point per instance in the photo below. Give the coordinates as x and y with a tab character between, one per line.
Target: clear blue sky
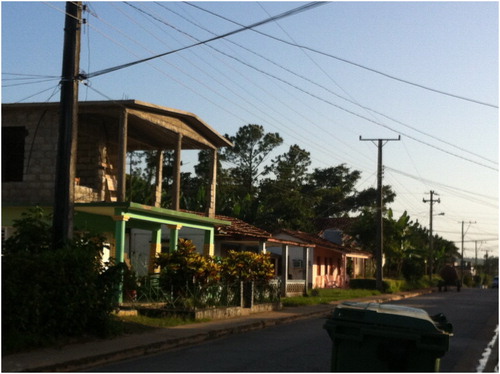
309	95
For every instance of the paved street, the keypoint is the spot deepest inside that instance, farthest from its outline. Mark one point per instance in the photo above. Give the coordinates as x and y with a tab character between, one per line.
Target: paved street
304	346
474	315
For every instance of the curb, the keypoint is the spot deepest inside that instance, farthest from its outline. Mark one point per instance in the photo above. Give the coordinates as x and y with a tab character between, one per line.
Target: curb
158	343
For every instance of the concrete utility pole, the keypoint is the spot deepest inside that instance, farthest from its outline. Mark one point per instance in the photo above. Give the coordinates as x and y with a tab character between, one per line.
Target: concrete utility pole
462	260
66	146
431	238
380	201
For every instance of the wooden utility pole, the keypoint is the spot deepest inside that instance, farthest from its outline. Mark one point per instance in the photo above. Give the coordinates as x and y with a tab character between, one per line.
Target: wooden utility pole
380	204
66	146
431	238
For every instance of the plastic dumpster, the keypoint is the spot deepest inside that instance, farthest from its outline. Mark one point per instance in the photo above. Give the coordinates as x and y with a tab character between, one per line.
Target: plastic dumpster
372	337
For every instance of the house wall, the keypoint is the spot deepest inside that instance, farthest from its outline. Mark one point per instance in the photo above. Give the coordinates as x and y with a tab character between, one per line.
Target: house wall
295	258
40	150
137	248
358	267
327	268
97	156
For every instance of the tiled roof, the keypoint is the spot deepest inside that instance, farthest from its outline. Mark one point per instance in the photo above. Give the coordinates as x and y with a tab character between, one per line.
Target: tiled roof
314	239
239	228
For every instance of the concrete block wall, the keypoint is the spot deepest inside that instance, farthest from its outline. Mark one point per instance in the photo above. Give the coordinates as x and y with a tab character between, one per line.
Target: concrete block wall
40	153
91	154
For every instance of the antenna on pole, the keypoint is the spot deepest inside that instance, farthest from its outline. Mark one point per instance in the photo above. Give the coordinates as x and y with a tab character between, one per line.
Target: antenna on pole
380	222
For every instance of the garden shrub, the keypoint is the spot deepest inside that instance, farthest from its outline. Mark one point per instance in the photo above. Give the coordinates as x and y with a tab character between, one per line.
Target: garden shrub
51	293
247	266
195	280
413	269
185	266
367	284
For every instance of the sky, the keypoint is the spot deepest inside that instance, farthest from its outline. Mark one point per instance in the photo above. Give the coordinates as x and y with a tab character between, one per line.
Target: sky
322	77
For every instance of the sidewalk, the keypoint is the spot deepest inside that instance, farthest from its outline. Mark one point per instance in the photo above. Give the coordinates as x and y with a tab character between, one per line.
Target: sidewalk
75	357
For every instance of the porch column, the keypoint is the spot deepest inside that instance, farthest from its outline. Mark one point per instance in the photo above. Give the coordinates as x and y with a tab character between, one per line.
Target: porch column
154	250
262	247
174	236
306	269
120	224
344	271
211	191
122	157
176	192
159	178
208	245
284	273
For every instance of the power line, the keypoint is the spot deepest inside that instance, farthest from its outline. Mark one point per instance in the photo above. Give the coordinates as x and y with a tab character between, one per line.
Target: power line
350	111
339	96
356	64
282	15
237	59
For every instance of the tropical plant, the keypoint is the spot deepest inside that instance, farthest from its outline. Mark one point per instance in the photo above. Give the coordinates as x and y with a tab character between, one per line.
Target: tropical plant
184	267
247	266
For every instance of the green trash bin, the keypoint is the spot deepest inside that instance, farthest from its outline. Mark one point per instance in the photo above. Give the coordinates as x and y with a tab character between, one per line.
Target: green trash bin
372	337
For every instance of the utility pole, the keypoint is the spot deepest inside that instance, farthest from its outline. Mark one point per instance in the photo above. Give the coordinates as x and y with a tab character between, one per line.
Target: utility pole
68	127
380	204
463	260
431	238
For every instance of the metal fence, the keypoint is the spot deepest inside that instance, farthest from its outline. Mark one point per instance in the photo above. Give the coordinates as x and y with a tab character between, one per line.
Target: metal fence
198	296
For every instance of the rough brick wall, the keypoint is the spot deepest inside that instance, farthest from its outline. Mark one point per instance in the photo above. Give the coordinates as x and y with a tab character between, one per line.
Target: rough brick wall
40	152
96	155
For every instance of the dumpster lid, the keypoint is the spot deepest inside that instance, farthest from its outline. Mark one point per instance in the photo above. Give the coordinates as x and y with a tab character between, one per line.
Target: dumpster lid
397	316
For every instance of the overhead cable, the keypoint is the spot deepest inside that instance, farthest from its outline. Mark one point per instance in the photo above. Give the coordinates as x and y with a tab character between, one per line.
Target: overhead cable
352	101
317	96
355	63
279	16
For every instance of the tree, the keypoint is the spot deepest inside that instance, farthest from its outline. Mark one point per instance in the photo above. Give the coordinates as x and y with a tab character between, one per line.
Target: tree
251	148
282	200
140	182
238	186
334	188
398	247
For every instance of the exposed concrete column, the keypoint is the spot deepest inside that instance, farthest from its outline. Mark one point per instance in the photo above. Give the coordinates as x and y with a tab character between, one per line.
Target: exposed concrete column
120	224
306	269
176	193
122	156
208	245
262	247
344	270
212	185
154	250
174	236
159	178
284	267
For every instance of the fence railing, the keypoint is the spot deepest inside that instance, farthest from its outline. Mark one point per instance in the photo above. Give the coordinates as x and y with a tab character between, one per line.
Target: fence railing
197	295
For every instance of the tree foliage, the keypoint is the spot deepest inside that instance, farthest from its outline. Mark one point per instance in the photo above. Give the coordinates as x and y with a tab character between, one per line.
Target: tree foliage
251	148
51	293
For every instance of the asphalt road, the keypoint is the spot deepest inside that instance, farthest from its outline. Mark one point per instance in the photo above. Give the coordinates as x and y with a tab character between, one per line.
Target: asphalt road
304	346
474	315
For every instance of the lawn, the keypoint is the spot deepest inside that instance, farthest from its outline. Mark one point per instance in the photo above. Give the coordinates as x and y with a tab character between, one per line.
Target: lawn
325	296
140	323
